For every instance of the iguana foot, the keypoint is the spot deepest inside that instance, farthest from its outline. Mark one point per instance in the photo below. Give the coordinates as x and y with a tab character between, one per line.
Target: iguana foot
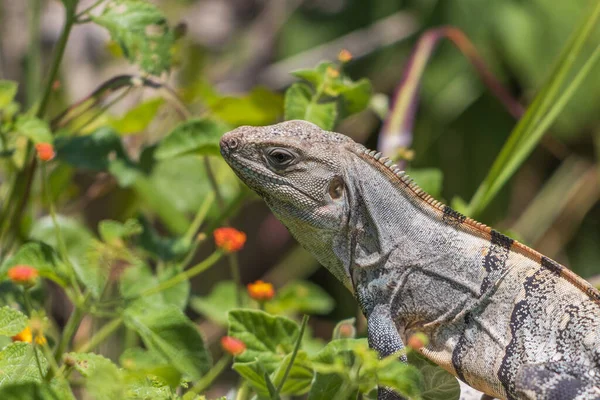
556	381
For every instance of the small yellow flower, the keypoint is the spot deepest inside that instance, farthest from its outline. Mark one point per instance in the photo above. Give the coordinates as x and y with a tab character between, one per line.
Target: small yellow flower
261	291
26	336
332	72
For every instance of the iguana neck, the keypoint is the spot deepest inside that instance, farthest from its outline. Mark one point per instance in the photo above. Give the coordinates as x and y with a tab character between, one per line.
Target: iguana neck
391	228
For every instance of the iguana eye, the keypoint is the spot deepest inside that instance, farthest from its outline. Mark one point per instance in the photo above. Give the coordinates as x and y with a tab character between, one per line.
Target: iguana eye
336	188
280	157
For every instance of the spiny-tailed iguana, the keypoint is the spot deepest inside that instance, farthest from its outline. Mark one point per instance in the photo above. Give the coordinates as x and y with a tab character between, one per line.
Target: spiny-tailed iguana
500	316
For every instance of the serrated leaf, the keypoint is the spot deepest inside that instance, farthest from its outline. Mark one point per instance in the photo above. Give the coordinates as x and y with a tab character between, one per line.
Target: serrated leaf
8	90
103	378
403	379
137	119
18	364
436	383
145	367
267	338
11	321
301	297
218	303
198	136
299	105
41	257
34	129
169	333
141	31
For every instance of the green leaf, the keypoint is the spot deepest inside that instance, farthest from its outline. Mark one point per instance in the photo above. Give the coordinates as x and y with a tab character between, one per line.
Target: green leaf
34	129
144	365
301	297
428	179
315	76
254	375
89	257
138	278
11	321
199	136
41	257
299	105
260	107
169	333
95	151
166	248
355	97
113	232
103	378
8	90
137	119
18	364
218	303
141	31
436	383
404	379
29	391
267	338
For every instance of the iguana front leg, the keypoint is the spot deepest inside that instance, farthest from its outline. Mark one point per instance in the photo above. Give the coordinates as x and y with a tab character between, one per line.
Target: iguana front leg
384	337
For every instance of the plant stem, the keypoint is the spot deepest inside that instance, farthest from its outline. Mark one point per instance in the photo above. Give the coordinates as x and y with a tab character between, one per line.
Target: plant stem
243	392
29	309
87	10
195	270
33	55
100	336
69	331
234	266
199	218
211	375
58	55
294	353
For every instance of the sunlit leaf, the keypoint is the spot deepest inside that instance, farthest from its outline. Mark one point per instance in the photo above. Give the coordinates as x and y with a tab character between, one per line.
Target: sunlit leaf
137	119
436	383
199	136
218	303
19	364
141	30
299	104
301	297
8	90
103	379
12	321
34	129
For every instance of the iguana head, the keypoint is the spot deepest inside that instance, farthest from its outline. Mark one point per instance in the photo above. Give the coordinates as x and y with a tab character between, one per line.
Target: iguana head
296	168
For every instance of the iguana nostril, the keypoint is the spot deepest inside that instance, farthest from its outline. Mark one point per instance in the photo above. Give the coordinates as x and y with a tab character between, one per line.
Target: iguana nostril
229	143
232	143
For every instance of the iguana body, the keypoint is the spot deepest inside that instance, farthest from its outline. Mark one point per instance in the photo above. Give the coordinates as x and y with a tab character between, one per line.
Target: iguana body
500	316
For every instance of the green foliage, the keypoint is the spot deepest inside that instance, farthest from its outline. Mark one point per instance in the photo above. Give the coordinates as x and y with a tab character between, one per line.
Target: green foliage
141	31
198	136
327	96
20	362
8	90
11	321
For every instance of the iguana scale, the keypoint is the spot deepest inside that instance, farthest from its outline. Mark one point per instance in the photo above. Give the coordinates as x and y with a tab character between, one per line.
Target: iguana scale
500	316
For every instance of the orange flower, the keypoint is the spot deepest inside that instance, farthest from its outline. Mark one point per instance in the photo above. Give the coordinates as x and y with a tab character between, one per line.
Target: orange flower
417	341
233	346
23	274
229	239
332	72
344	56
261	291
45	151
26	336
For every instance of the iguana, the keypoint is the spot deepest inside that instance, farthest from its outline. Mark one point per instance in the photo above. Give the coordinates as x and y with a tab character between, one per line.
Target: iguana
500	316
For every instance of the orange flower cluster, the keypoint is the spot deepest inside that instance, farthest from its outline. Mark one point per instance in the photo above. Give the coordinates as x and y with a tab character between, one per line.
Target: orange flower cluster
332	72
261	291
417	341
229	239
27	336
22	274
45	151
233	346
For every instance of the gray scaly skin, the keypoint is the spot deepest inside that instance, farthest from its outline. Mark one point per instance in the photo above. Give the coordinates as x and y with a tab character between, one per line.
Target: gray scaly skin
499	316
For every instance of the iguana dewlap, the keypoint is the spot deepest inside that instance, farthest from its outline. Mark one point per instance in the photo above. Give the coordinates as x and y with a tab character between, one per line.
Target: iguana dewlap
500	316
